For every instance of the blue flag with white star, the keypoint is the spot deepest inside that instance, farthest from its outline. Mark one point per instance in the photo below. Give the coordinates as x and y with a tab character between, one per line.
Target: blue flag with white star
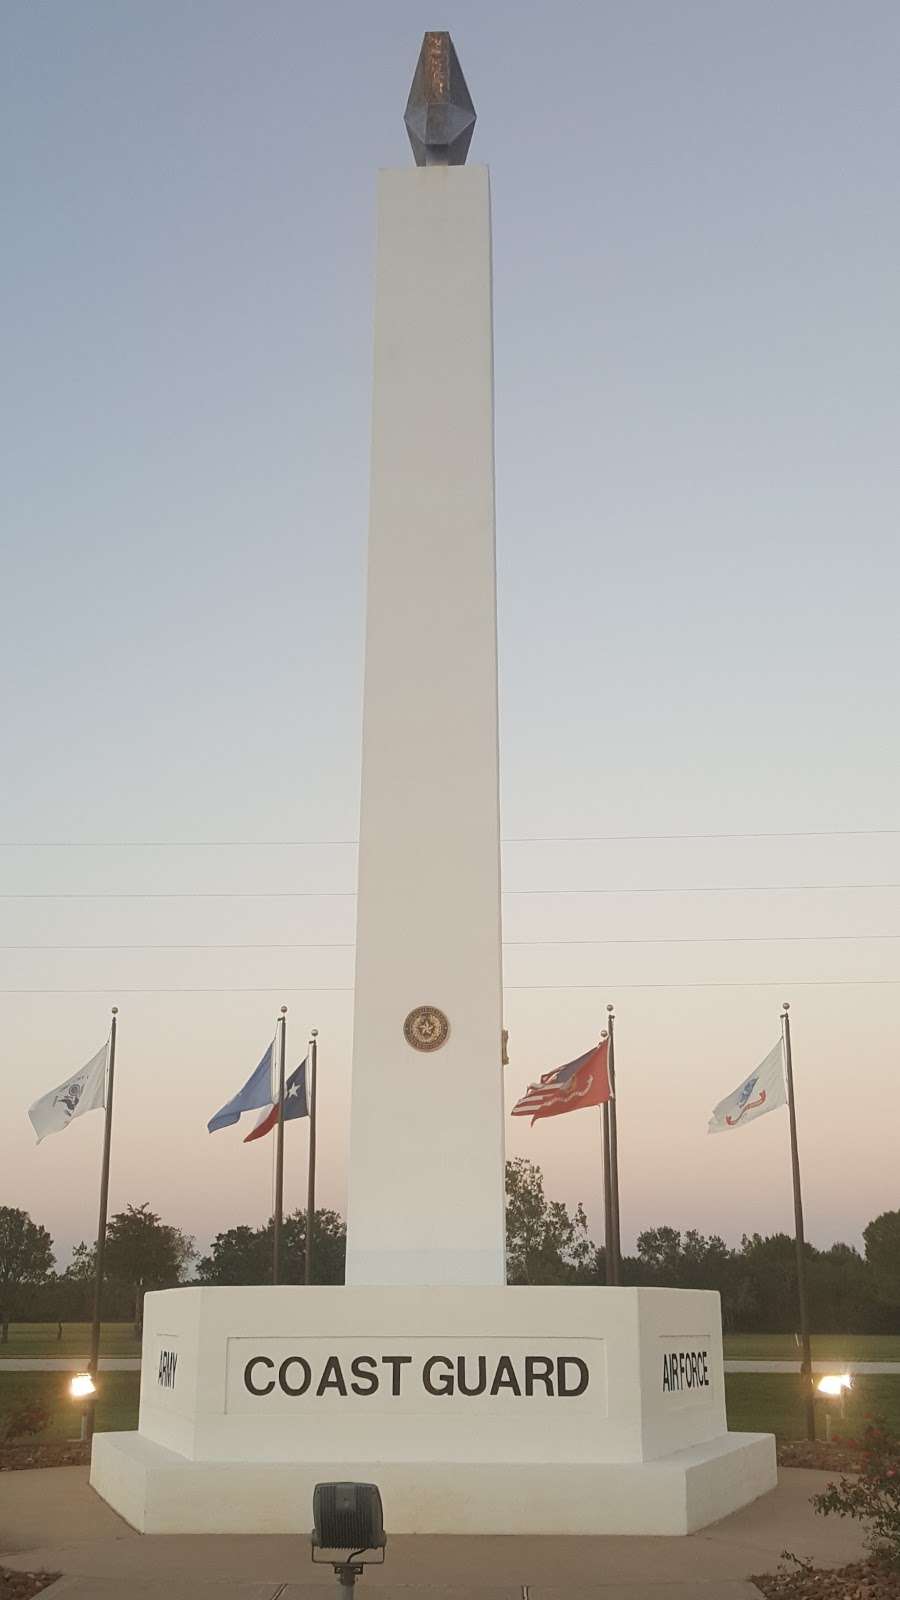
296	1104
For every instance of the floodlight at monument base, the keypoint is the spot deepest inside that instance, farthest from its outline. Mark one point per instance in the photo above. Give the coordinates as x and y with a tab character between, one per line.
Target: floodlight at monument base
834	1386
82	1387
348	1516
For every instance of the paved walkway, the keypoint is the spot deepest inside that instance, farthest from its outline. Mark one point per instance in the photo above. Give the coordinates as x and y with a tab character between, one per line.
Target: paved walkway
68	1364
51	1519
890	1369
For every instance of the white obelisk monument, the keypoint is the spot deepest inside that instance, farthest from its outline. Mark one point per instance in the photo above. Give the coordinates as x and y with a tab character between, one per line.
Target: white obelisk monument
475	1407
426	1199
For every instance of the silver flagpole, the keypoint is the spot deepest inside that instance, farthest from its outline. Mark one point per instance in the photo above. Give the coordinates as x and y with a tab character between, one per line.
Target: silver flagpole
614	1152
311	1065
279	1156
607	1187
806	1372
87	1424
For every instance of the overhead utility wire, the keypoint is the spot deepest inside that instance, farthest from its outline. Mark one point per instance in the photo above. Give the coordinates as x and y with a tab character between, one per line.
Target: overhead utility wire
349	944
350	894
531	838
605	988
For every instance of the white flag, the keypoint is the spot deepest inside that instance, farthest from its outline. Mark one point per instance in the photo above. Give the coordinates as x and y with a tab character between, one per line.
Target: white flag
761	1092
85	1091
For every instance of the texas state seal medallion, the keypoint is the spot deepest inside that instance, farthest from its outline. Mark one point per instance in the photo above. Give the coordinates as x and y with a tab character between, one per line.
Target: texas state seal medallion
426	1028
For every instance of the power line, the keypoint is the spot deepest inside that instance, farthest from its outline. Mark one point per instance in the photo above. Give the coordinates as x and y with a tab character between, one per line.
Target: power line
350	944
730	938
647	838
717	888
193	894
314	944
604	988
536	838
350	894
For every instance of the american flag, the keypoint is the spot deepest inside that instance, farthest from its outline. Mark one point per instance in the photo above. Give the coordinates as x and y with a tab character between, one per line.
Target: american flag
583	1082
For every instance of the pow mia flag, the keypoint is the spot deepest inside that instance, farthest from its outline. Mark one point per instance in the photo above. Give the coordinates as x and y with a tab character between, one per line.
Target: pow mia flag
84	1091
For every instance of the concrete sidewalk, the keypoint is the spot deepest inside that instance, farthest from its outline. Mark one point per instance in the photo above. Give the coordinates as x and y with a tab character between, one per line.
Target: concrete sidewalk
887	1369
51	1519
67	1364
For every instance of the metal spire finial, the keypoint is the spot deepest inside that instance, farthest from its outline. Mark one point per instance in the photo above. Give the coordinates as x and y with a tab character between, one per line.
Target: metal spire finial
440	116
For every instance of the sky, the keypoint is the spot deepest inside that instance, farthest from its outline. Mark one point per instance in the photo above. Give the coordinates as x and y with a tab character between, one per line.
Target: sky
697	298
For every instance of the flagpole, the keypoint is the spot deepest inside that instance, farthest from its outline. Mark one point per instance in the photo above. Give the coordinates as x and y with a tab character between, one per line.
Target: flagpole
87	1427
311	1178
607	1186
279	1156
806	1373
614	1152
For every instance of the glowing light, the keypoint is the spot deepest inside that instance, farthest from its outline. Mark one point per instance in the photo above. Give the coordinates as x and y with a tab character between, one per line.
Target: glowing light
835	1383
82	1385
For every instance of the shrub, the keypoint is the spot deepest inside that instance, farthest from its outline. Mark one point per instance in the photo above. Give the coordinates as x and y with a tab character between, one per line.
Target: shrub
28	1418
874	1496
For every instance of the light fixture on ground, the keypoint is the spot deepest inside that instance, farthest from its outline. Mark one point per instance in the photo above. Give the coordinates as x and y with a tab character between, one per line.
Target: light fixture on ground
83	1387
834	1386
348	1516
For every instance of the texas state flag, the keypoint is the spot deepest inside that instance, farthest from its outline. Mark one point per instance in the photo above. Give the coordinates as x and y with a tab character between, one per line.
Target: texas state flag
296	1104
256	1092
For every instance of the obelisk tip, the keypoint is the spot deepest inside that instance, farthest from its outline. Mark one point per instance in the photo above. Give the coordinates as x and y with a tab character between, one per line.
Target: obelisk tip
440	116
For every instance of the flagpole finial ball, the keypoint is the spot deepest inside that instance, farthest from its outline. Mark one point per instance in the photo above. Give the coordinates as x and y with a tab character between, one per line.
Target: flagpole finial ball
314	1033
284	1011
115	1011
610	1009
786	1005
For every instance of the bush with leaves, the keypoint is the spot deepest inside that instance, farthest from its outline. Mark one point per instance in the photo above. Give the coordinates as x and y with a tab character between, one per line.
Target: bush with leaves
28	1418
873	1497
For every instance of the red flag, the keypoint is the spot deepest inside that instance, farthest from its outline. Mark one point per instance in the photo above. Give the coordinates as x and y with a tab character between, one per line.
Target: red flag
583	1082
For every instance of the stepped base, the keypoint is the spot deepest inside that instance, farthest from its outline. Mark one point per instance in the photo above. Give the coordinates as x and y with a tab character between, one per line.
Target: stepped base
158	1491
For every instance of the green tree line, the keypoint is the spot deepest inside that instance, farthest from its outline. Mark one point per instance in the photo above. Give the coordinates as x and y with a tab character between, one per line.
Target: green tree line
547	1243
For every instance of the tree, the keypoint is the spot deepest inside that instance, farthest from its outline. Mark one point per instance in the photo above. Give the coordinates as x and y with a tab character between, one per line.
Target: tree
236	1256
839	1290
145	1253
882	1241
544	1243
659	1251
26	1258
244	1254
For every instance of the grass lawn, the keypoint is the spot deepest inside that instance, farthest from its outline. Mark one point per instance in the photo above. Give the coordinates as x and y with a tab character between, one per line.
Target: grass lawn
117	1401
37	1340
759	1403
825	1347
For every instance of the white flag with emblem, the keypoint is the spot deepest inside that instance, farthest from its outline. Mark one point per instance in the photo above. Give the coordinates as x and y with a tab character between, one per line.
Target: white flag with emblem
85	1091
761	1092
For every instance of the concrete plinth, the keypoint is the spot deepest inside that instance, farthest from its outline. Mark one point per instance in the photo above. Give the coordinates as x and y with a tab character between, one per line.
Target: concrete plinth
158	1491
475	1410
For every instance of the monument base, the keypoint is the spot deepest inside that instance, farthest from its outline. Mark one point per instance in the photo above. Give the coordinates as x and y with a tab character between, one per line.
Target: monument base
475	1410
158	1491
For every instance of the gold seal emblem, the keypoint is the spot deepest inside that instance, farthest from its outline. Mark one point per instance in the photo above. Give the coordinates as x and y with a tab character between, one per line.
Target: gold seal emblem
426	1028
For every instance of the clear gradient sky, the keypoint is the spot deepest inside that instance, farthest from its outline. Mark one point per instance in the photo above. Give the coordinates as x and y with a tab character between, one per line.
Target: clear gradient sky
696	241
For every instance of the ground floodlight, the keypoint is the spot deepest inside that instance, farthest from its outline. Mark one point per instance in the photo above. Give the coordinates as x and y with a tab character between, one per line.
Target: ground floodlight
82	1385
834	1386
348	1516
835	1383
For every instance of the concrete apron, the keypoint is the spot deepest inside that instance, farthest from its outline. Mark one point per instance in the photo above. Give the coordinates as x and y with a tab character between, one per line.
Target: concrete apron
51	1520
